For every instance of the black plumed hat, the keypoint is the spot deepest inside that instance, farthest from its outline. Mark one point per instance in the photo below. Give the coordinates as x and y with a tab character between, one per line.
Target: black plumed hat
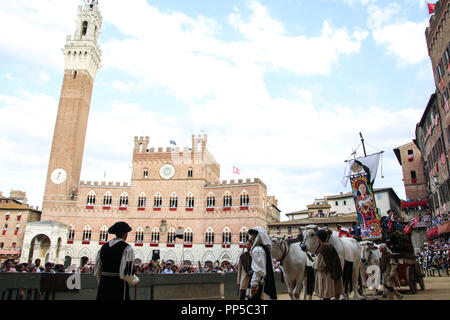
119	228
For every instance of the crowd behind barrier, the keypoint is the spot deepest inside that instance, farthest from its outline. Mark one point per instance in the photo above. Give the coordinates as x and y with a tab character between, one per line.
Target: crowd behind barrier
153	267
435	257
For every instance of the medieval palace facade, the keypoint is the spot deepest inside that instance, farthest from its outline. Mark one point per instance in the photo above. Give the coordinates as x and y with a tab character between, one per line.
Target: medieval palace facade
176	203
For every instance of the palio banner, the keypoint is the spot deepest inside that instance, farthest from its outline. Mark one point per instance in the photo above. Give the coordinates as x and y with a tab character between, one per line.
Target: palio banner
366	208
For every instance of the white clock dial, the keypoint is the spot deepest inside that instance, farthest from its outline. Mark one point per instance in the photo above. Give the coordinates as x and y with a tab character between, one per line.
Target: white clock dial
167	171
58	176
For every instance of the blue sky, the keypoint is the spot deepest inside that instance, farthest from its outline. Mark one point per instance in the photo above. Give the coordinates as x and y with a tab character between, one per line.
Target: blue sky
282	88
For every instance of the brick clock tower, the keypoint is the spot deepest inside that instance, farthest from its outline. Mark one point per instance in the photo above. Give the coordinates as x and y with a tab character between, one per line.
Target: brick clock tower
82	61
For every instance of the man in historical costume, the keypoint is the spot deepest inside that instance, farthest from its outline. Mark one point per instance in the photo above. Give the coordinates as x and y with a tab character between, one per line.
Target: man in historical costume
389	271
327	267
263	281
114	266
245	271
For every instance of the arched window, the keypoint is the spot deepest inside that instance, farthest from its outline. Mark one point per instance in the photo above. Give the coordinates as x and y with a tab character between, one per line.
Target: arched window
90	202
190	201
85	27
145	173
190	173
209	238
71	233
107	199
188	236
17	229
19	215
139	235
243	236
124	200
155	236
7	216
173	201
171	236
142	200
227	200
157	200
226	236
87	232
245	199
211	200
103	234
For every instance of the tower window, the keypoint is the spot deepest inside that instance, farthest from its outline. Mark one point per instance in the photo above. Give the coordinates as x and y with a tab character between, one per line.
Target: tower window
190	173
85	26
413	177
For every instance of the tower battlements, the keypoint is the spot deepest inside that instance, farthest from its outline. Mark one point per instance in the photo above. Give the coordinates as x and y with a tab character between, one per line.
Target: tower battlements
239	182
433	29
103	184
184	155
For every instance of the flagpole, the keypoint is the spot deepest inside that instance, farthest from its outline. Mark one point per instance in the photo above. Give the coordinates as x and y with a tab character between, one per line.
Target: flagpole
364	147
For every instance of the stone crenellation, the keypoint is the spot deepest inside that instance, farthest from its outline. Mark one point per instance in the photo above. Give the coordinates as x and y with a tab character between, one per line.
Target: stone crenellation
103	184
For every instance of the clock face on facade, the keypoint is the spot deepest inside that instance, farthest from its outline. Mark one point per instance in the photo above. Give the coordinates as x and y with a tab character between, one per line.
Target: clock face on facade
58	176
167	171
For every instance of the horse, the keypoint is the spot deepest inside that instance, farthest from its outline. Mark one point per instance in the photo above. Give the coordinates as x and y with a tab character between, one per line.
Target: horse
349	252
370	258
293	264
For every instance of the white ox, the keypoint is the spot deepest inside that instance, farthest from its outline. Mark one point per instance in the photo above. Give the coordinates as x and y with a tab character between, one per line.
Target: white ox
293	265
348	250
370	263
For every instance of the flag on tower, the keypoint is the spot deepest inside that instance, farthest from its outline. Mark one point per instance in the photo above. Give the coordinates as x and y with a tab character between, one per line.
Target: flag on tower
236	170
89	2
431	7
173	142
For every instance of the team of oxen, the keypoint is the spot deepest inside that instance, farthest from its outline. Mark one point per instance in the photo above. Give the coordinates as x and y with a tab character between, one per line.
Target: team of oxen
360	261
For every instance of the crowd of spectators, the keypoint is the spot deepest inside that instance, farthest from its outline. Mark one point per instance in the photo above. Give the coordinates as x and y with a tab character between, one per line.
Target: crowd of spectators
153	267
435	257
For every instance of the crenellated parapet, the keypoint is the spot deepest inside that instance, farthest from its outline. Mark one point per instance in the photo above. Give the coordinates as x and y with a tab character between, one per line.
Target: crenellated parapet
239	182
434	31
103	184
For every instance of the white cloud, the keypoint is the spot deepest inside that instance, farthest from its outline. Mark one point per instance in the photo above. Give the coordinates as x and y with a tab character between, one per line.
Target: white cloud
402	38
407	41
33	31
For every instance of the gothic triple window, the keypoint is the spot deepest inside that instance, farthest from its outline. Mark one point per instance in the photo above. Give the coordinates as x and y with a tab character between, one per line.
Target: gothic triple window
243	236
155	236
209	238
226	236
87	232
245	199
188	236
107	199
211	201
227	200
157	201
71	233
171	236
173	201
190	201
103	234
142	200
124	200
90	199
139	235
145	173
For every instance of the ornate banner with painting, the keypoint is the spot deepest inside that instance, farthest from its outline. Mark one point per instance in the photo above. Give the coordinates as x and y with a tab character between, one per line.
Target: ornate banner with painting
366	208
